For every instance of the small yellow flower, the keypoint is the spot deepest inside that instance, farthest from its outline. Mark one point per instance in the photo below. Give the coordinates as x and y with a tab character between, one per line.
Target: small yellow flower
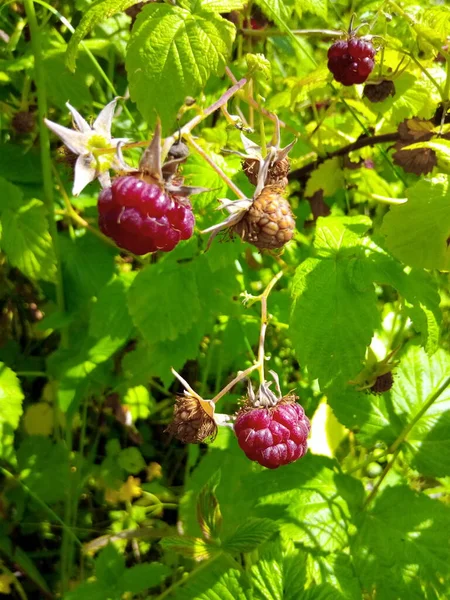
5	584
127	491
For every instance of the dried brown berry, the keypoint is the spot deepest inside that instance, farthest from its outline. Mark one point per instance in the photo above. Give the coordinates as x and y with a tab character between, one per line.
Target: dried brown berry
23	122
276	175
419	161
193	420
377	92
383	383
269	223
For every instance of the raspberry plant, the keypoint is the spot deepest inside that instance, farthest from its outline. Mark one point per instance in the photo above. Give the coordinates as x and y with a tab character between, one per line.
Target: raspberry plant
224	307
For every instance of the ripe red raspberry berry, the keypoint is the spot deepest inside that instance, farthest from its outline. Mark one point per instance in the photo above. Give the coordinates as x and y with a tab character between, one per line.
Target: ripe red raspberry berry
141	218
273	436
351	61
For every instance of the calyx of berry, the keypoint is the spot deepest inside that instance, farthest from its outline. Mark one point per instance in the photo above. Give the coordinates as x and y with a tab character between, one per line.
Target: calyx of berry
165	176
264	396
376	377
272	215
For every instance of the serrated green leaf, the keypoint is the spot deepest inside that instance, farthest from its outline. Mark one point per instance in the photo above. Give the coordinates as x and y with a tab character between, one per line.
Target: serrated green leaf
316	7
87	266
219	580
131	460
140	578
277	10
110	313
109	565
100	11
437	19
337	575
404	537
171	55
25	236
164	301
328	336
19	166
280	573
44	467
11	397
329	177
250	535
417	232
208	509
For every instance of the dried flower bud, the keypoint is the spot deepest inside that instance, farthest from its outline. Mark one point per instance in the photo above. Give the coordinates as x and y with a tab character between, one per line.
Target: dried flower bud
383	383
193	420
377	92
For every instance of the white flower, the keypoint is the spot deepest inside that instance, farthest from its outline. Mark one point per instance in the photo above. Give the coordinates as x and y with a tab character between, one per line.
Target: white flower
85	140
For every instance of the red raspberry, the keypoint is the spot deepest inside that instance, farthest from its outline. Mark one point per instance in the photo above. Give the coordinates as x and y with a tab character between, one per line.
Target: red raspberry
351	61
273	436
142	218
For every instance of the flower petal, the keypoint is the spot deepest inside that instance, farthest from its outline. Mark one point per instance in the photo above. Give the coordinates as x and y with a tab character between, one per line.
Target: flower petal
80	122
105	179
85	172
251	148
103	122
74	140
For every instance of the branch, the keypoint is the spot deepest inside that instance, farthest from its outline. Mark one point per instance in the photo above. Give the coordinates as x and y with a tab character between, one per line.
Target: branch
362	142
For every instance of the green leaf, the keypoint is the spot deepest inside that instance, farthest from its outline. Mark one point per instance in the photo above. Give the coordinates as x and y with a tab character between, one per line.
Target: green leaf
44	468
402	539
25	236
164	301
417	379
327	337
110	565
11	397
329	177
277	10
110	313
140	578
384	418
172	53
131	460
280	573
87	265
100	11
139	401
19	166
438	21
316	7
250	535
222	6
218	581
418	232
208	509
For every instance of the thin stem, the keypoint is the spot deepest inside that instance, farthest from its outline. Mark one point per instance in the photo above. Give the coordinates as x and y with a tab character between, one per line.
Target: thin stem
362	142
39	76
259	108
186	129
239	377
264	322
396	446
277	33
31	374
367	462
383	475
217	169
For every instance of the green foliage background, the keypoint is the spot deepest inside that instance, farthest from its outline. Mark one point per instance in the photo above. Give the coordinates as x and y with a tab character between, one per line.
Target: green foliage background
96	500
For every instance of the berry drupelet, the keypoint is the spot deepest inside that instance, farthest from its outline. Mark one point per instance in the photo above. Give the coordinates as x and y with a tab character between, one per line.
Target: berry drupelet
351	61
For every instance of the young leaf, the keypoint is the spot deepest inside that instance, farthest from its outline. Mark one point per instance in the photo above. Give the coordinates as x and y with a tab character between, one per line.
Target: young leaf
131	460
190	547
208	509
418	232
11	397
171	55
250	535
25	237
97	13
110	313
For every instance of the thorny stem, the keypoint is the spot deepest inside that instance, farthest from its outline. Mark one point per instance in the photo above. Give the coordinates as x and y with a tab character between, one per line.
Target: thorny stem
277	32
396	446
217	169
